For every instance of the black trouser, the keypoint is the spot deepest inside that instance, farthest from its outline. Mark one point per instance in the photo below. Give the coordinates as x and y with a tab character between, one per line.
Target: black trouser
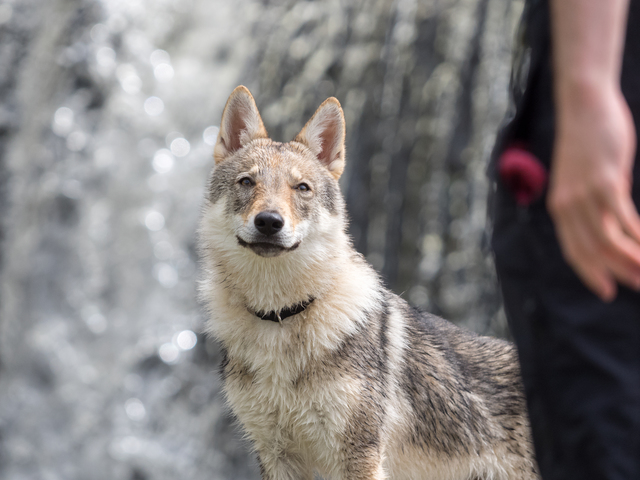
580	356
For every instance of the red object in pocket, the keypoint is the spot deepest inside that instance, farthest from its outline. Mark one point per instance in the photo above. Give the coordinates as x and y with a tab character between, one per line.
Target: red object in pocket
523	174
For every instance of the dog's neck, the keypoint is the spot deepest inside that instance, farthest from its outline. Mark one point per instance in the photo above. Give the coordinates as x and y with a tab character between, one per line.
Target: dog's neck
238	283
283	314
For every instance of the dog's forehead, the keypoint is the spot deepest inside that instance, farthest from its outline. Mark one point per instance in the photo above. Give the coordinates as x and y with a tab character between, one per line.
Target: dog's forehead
278	158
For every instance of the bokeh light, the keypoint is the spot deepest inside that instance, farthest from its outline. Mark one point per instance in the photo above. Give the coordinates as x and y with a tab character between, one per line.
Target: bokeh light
154	221
154	106
62	121
210	135
76	141
169	353
135	409
180	147
163	72
163	161
186	340
167	275
159	57
163	250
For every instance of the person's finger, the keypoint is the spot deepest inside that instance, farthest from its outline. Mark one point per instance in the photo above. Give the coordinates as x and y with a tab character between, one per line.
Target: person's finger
579	250
598	281
601	251
603	224
621	253
626	211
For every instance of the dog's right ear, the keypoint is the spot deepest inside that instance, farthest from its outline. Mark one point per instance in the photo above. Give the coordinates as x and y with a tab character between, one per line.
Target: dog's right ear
324	136
241	123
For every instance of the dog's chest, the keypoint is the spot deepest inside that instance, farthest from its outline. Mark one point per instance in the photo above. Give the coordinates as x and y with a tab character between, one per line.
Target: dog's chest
306	408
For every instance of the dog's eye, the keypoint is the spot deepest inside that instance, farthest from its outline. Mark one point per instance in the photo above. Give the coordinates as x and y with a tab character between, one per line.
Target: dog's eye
303	187
246	182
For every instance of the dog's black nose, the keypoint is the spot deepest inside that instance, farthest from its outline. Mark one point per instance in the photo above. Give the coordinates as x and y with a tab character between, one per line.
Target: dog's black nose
269	223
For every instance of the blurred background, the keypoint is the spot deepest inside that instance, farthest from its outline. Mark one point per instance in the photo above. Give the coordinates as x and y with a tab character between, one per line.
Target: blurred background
109	110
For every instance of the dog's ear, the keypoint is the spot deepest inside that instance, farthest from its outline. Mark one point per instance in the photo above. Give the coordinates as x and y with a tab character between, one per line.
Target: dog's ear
241	123
324	136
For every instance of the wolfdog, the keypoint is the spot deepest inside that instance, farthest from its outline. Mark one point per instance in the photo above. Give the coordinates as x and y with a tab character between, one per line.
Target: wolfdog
326	369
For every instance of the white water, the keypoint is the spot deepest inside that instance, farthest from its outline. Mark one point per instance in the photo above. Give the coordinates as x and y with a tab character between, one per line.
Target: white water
108	109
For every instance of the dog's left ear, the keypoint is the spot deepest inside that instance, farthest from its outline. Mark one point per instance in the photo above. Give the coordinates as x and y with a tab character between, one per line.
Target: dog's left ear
324	136
241	123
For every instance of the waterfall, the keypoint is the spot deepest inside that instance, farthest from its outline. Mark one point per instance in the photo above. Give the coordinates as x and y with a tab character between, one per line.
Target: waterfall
108	113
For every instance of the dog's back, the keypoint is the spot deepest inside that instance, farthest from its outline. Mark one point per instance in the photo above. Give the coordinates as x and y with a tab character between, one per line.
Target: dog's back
325	368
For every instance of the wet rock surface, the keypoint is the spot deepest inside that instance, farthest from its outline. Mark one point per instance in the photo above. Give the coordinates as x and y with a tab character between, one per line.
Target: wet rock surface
108	114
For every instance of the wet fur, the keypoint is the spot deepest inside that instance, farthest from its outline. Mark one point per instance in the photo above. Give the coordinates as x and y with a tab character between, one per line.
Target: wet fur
359	385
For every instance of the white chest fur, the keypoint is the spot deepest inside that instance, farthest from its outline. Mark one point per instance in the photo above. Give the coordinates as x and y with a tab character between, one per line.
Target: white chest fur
293	409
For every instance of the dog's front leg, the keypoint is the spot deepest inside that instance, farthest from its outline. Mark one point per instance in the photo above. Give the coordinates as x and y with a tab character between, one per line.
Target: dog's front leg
363	447
283	467
364	467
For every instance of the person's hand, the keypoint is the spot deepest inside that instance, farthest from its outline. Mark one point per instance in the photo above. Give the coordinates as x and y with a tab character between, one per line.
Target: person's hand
589	195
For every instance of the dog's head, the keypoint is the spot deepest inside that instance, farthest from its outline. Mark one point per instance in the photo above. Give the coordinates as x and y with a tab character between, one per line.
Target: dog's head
278	196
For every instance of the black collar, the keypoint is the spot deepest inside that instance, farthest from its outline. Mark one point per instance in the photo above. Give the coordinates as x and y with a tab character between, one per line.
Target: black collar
285	312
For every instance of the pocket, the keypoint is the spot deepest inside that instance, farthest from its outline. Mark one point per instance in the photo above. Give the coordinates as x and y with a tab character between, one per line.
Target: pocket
509	240
552	270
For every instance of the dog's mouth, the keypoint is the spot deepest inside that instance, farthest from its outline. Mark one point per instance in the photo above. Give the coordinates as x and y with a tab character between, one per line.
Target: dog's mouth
266	248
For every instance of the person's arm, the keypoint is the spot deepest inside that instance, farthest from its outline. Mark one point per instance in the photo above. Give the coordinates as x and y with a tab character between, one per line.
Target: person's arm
590	184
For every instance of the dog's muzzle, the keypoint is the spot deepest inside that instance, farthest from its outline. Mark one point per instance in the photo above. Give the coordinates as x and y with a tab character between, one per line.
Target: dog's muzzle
268	238
267	247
